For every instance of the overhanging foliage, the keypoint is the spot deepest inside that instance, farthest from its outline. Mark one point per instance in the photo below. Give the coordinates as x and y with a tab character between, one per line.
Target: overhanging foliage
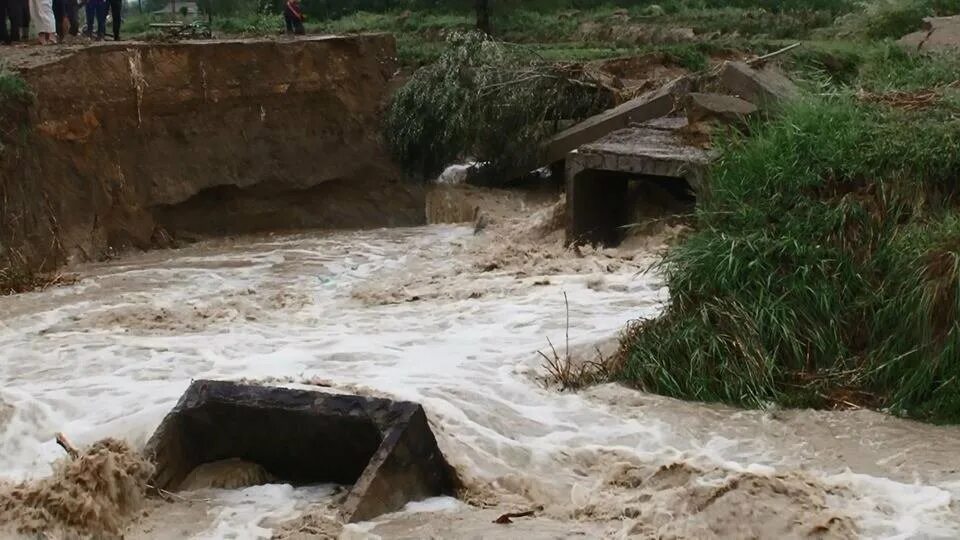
492	101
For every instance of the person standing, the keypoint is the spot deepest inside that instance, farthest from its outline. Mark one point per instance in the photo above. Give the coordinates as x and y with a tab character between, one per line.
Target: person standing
65	13
293	15
96	9
73	16
116	7
9	10
41	13
24	6
58	13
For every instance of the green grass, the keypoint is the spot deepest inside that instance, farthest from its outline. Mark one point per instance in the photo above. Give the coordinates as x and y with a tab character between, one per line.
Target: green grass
825	266
13	87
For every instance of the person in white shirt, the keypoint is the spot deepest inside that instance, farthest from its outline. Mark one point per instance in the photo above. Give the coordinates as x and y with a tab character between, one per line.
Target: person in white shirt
41	13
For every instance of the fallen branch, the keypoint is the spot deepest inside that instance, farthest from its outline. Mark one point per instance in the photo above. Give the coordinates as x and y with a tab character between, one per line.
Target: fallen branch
764	58
505	519
67	446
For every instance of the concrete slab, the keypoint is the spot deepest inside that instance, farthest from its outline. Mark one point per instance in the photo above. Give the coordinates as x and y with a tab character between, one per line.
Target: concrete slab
764	87
384	448
936	34
729	110
656	104
653	149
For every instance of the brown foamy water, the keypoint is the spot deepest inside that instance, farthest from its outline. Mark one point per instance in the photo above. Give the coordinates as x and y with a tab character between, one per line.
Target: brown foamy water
452	319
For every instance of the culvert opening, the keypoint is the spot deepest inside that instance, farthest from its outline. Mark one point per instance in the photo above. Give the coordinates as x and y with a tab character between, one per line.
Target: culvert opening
383	449
607	206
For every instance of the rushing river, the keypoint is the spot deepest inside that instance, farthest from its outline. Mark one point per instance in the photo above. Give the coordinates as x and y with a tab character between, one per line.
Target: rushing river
111	354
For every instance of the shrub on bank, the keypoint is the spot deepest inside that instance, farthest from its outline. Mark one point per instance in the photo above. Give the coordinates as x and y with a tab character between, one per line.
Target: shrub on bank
13	89
488	100
825	268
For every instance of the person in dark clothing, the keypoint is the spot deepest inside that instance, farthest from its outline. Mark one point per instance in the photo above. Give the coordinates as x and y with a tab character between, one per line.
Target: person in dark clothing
293	15
9	10
24	19
58	13
96	9
116	7
65	12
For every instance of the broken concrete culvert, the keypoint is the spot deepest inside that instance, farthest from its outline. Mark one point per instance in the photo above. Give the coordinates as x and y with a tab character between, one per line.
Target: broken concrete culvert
384	449
647	140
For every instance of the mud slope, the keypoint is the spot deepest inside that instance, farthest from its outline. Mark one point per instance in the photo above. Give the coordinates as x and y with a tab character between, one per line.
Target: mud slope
130	145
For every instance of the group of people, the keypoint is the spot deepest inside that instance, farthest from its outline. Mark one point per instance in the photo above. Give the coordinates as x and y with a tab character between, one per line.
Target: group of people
53	20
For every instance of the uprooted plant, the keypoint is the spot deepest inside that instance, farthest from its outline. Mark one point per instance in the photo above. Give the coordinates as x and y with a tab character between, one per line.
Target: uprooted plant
493	101
567	372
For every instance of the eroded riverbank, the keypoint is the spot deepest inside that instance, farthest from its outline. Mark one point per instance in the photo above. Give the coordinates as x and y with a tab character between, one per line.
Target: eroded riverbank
437	315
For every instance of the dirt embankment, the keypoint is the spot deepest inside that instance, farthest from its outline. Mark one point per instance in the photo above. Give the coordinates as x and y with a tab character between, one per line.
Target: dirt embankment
133	145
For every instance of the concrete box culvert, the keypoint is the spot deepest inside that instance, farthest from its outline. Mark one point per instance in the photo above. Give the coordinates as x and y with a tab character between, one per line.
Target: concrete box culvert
383	448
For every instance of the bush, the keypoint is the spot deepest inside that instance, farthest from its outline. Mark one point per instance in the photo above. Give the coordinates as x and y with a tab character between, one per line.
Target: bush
825	265
13	88
492	101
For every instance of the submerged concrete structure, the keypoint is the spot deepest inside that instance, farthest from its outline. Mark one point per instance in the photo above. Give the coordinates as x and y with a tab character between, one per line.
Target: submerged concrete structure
384	448
598	175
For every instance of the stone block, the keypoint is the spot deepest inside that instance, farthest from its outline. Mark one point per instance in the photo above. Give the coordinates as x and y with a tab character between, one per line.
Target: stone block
936	34
721	108
765	88
656	104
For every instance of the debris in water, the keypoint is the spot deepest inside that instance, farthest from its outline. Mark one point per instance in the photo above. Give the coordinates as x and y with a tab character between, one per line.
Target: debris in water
232	473
507	518
92	495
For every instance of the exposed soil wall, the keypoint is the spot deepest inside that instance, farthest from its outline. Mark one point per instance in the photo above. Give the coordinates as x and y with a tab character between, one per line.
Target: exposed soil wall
133	144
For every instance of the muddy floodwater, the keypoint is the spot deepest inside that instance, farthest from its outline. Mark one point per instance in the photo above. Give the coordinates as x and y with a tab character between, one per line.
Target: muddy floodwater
436	316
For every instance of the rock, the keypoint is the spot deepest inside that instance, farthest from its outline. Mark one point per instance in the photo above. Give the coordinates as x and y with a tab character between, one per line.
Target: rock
725	109
383	448
936	34
656	104
765	88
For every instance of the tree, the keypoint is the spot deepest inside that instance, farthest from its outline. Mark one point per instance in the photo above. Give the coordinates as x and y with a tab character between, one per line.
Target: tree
483	16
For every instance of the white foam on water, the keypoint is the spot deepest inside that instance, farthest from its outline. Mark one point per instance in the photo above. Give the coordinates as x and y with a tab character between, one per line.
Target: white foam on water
241	513
111	355
434	504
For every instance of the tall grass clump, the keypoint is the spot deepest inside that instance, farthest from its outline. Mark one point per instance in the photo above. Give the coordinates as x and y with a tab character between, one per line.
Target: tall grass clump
824	268
492	101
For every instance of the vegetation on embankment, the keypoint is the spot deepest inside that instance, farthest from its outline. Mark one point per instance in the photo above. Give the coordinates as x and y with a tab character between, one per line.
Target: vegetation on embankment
15	274
824	267
490	100
13	89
